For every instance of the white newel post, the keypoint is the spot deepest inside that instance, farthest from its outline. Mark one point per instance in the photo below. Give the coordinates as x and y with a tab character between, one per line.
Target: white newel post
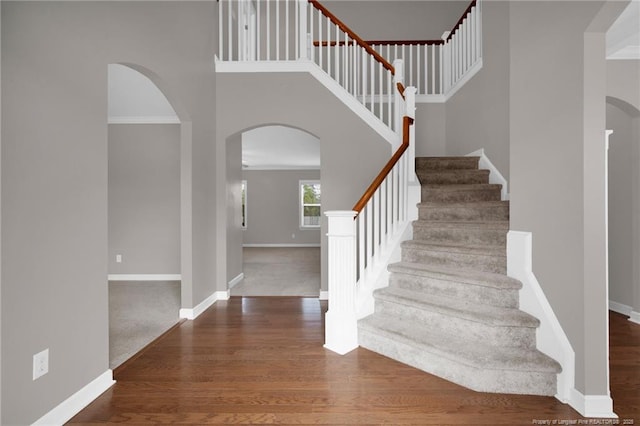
341	332
302	35
410	105
398	102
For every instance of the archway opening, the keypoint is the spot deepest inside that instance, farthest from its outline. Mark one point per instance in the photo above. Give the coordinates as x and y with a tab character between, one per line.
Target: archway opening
275	206
144	211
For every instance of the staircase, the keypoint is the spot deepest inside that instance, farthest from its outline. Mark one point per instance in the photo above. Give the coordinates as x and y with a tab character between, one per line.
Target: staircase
450	309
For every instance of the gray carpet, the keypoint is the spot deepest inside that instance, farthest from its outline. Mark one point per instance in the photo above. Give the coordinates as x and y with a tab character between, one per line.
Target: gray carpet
280	271
139	312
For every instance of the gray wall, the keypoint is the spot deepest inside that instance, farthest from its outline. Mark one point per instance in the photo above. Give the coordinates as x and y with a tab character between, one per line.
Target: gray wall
557	84
54	176
234	207
273	207
345	140
144	198
623	173
398	20
623	82
477	116
431	131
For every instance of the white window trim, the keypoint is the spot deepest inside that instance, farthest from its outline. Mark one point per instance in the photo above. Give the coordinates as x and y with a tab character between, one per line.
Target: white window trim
246	204
301	206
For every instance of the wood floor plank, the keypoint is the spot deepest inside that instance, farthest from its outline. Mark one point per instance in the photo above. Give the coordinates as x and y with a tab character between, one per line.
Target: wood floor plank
261	361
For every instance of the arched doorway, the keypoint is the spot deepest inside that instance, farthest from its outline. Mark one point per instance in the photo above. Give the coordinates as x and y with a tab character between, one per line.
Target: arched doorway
274	212
145	139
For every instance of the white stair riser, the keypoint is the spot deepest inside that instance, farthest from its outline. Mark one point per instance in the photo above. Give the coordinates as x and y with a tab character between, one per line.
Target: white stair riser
472	331
470	236
470	261
460	195
478	379
454	214
507	298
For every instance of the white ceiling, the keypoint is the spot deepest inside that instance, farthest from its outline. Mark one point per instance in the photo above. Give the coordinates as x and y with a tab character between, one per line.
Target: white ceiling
278	148
623	38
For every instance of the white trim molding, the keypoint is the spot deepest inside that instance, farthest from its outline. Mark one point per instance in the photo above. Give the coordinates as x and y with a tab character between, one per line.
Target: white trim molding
193	313
596	406
324	295
634	317
494	174
236	280
144	277
79	400
620	308
284	244
550	337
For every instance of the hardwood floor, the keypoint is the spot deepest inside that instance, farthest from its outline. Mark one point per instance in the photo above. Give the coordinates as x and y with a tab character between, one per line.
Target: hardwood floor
261	360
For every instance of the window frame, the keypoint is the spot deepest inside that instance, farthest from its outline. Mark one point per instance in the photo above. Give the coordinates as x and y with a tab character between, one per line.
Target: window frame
243	204
302	205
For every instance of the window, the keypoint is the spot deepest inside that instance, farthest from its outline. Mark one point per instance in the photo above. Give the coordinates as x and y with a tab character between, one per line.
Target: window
244	204
309	204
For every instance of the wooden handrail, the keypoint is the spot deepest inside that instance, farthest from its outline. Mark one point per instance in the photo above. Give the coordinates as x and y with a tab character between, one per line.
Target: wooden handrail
400	88
464	15
353	35
380	43
406	124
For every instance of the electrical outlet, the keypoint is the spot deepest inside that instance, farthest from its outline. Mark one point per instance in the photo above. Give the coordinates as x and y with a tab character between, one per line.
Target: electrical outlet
118	258
40	364
293	236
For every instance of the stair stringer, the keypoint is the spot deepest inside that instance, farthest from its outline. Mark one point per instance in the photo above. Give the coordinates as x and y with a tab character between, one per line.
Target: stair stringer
325	79
378	275
550	337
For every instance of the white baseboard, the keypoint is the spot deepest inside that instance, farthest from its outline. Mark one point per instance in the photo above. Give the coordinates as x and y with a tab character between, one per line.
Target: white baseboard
193	313
634	317
620	308
324	295
282	245
79	400
494	176
236	280
550	337
144	277
598	406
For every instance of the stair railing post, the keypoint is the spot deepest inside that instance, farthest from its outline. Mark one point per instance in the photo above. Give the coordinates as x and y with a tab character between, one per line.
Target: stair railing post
410	111
398	102
303	37
341	327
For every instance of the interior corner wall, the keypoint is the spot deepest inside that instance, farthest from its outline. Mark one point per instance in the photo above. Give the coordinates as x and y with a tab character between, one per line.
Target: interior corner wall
623	81
234	206
547	165
273	201
144	198
55	176
430	124
477	115
622	231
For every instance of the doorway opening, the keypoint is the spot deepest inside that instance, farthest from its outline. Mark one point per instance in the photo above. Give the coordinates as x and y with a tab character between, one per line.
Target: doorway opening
275	199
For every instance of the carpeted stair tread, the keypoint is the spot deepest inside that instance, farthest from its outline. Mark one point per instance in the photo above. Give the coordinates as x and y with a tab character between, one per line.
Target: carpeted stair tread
464	211
485	314
478	278
440	163
452	176
467	224
438	204
463	187
484	250
475	354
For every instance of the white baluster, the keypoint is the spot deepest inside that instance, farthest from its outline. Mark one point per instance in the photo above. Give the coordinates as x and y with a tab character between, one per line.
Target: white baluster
258	35
337	56
341	332
433	68
410	111
383	210
398	65
302	31
277	11
376	222
369	209
320	48
229	32
286	30
361	244
220	31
